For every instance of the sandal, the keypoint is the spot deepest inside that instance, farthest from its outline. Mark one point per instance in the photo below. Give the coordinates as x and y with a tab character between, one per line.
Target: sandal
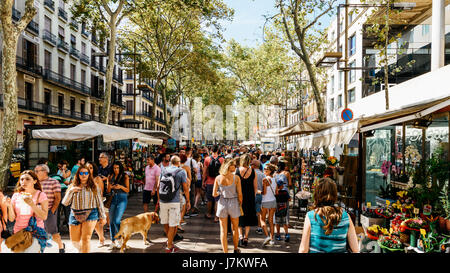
180	230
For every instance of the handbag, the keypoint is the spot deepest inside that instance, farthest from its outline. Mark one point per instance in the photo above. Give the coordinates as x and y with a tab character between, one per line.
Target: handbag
19	241
109	198
81	215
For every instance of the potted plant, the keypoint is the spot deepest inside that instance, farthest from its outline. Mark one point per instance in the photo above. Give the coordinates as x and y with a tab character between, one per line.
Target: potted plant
444	219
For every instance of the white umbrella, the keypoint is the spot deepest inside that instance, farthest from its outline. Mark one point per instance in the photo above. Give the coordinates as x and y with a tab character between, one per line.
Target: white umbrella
92	129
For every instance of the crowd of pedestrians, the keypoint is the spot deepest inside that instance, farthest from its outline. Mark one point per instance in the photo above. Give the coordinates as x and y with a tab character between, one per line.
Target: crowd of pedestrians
242	190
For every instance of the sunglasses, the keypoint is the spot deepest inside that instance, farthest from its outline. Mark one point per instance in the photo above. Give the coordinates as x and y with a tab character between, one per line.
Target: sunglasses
84	173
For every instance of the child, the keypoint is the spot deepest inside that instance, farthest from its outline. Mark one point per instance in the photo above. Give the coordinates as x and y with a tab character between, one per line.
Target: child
283	198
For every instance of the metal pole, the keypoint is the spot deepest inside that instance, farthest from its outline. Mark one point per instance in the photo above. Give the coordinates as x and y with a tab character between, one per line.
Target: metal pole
134	89
346	65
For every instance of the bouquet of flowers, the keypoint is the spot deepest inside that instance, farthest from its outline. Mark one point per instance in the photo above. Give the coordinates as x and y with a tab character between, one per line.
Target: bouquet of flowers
390	243
331	161
412	224
404	204
374	232
396	222
371	213
385	212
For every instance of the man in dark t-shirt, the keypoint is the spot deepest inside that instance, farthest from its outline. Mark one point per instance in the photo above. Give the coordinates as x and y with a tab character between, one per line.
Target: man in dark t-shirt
104	170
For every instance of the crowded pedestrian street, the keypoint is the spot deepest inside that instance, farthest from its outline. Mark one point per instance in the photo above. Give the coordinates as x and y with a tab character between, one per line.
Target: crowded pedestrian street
200	236
225	134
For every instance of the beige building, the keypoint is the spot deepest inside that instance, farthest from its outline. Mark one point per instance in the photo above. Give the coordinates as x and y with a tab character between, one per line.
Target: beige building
59	81
145	102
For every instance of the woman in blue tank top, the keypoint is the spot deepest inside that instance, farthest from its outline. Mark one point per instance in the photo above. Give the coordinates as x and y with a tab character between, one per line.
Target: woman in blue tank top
327	228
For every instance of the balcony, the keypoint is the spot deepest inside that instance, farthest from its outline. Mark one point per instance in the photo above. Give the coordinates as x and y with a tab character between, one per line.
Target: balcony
57	111
94	64
160	120
49	4
97	93
84	58
144	114
33	27
30	105
74	25
66	82
102	69
75	53
16	14
63	46
62	14
94	40
84	31
49	37
29	66
146	95
116	77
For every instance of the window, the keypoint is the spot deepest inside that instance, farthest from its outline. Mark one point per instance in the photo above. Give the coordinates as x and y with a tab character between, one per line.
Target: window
72	104
82	107
352	72
73	41
61	33
92	110
61	66
83	47
83	76
47	60
332	85
351	95
332	104
129	107
48	24
339	102
73	70
352	45
129	88
341	79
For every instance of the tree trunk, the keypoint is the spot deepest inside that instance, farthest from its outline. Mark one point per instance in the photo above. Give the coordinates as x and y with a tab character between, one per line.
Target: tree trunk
104	115
155	102
10	34
10	106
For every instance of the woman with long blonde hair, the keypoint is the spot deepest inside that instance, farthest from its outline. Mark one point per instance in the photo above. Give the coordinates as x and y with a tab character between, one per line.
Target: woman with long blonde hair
85	200
228	186
327	227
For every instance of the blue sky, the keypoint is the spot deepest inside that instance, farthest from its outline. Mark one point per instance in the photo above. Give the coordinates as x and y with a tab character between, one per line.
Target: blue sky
248	21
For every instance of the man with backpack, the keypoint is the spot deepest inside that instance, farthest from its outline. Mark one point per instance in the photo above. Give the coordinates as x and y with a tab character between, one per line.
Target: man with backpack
210	172
170	183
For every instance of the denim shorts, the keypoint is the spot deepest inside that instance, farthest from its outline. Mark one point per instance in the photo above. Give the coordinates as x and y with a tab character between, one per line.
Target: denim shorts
93	216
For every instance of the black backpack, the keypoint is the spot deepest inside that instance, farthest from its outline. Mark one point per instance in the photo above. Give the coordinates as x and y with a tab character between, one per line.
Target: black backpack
214	167
167	190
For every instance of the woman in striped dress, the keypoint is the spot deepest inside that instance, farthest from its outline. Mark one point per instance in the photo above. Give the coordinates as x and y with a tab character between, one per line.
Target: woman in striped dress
85	200
327	228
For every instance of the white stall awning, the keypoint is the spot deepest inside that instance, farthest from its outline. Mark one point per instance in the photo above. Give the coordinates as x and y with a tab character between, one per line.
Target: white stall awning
91	129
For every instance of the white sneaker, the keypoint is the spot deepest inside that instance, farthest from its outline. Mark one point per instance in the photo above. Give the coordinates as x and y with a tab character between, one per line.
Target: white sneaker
272	242
111	246
266	241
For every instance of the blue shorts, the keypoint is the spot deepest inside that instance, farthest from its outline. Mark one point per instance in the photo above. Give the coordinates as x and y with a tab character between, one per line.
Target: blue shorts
93	216
258	202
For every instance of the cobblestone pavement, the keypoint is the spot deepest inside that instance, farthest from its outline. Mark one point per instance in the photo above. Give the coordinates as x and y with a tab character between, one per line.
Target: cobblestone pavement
201	235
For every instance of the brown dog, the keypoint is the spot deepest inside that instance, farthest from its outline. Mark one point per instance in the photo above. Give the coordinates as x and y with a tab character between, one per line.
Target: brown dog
140	223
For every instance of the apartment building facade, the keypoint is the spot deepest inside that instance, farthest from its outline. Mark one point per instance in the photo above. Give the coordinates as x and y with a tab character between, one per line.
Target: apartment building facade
409	57
145	101
59	81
